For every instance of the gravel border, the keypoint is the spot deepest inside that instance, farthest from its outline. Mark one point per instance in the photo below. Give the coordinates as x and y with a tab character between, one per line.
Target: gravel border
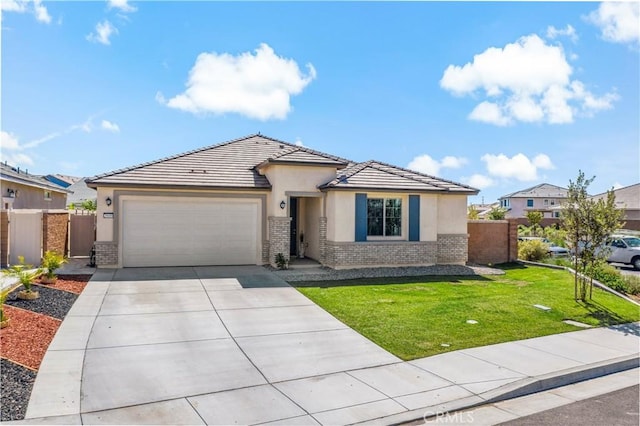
52	302
17	382
328	274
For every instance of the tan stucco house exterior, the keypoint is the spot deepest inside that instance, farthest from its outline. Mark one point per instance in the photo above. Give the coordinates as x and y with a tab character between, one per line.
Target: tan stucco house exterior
21	190
249	199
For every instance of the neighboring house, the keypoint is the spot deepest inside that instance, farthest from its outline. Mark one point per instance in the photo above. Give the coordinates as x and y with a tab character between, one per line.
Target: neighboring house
61	180
80	193
627	199
247	200
484	209
21	190
544	198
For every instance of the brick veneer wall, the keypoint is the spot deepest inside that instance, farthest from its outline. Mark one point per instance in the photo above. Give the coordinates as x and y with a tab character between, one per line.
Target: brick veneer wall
384	253
4	239
493	241
452	248
55	228
106	253
279	241
323	240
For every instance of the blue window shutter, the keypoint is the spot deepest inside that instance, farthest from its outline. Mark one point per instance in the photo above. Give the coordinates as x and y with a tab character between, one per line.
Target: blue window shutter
414	218
361	217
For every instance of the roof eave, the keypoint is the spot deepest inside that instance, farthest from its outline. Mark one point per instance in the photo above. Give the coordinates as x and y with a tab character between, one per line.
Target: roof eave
270	162
95	185
31	183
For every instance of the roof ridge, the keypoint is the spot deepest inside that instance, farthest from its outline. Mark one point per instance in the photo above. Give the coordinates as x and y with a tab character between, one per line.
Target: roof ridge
532	188
173	157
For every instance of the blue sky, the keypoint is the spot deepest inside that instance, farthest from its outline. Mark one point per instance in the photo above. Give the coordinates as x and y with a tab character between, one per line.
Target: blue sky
501	96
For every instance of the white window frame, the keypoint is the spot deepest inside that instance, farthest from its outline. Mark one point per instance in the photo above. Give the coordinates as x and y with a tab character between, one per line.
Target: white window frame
384	225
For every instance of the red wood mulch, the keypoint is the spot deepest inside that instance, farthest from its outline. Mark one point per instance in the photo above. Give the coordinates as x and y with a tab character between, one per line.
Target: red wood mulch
73	283
27	337
29	334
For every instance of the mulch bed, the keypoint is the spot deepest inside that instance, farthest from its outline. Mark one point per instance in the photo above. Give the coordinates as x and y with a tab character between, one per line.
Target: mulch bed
33	324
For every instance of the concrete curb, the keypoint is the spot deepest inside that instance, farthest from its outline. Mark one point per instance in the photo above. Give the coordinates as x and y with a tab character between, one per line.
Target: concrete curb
519	388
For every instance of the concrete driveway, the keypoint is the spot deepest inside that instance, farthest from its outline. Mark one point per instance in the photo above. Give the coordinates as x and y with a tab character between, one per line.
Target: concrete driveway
237	345
186	345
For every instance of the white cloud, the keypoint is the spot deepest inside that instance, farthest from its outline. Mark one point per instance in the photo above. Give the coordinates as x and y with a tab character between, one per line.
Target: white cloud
526	81
427	165
298	142
10	150
568	31
18	6
256	85
617	185
488	112
41	12
8	141
618	22
104	30
109	126
122	5
479	181
518	167
25	6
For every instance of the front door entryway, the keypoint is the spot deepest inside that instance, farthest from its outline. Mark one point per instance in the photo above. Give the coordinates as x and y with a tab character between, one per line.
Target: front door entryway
293	233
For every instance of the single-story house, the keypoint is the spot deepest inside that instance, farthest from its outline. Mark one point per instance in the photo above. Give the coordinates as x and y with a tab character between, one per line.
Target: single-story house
80	193
22	190
247	200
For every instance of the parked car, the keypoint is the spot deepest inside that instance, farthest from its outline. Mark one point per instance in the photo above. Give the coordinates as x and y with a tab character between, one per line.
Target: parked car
553	250
624	249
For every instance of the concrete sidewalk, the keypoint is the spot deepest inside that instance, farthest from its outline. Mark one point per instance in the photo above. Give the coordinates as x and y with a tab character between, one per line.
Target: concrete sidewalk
232	345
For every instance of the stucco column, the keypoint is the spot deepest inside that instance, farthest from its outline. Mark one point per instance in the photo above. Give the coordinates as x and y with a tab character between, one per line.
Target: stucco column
279	237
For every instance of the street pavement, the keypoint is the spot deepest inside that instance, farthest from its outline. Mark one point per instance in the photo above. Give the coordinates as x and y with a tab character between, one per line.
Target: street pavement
607	400
238	345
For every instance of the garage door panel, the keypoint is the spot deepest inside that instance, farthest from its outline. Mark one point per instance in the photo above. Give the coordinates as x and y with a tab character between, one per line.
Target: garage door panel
189	232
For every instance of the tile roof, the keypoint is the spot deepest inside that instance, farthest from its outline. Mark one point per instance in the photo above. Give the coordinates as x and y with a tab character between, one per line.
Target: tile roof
14	174
230	164
381	176
80	192
627	197
235	165
543	190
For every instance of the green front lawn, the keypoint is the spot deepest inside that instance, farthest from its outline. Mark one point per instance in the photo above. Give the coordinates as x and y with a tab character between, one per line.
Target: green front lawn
415	317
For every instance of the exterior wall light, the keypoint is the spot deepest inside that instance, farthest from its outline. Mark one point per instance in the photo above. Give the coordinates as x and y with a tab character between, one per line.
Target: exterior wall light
283	204
108	201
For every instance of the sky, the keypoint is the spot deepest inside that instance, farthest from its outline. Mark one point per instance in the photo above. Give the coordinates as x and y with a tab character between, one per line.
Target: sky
501	96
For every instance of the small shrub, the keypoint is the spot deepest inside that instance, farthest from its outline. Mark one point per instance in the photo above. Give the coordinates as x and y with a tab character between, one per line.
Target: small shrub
281	261
632	283
609	276
52	261
532	250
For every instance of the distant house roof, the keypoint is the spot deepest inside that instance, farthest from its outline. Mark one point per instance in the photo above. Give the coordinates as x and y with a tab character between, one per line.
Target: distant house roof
80	192
544	190
626	198
14	174
236	164
62	180
376	175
